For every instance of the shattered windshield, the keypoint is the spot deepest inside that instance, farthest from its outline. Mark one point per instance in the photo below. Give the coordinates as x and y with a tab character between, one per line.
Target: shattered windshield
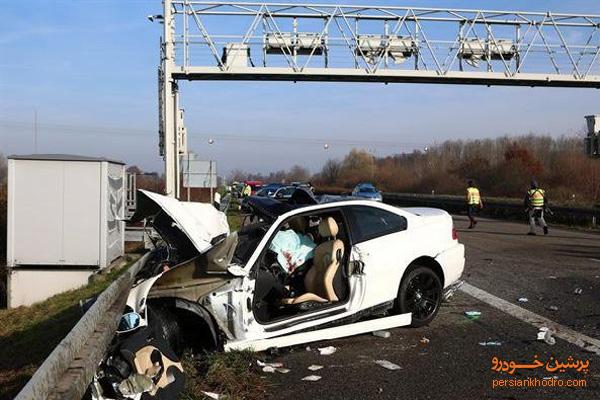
249	237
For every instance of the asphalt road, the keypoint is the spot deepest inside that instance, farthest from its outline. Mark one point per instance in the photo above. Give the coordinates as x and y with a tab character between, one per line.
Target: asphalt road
505	262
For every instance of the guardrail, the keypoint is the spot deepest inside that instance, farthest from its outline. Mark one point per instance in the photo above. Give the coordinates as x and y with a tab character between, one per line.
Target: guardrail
496	208
70	368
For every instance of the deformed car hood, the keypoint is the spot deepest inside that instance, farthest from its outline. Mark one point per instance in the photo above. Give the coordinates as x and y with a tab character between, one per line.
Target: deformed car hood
200	222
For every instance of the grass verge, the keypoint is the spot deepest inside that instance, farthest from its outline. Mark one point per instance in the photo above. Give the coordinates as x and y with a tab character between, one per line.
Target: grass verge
234	376
29	334
234	216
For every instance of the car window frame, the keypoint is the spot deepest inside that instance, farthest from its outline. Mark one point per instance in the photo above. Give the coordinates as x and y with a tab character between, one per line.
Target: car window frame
265	248
365	238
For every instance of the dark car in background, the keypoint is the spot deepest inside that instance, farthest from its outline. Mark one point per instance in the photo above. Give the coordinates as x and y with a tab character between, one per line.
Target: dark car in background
269	190
367	191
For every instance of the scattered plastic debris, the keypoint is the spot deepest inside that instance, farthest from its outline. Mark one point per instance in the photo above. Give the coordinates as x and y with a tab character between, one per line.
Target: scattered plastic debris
450	291
473	315
266	364
552	308
490	343
578	290
211	395
311	378
315	367
424	341
308	348
388	365
523	300
545	334
592	349
282	370
136	384
327	351
382	334
269	369
552	277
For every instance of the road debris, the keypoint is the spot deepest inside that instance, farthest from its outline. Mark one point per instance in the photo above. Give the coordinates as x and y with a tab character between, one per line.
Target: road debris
388	365
282	370
136	384
592	349
552	277
327	351
473	315
266	364
382	334
552	308
424	341
308	348
211	395
578	290
490	343
523	300
311	378
269	369
451	290
545	334
314	367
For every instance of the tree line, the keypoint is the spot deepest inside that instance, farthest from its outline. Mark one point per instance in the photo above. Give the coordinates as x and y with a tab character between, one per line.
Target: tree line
501	167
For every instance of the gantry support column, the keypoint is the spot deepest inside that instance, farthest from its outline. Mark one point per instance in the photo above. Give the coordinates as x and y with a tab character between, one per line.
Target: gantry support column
169	93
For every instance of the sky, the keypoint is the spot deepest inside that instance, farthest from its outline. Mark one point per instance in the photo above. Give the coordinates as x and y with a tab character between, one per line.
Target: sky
87	68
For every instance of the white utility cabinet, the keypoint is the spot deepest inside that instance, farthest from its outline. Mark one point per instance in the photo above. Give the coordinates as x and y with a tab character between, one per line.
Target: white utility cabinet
64	222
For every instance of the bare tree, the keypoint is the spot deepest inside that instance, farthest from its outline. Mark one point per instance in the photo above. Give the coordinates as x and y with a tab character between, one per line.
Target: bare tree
298	173
331	171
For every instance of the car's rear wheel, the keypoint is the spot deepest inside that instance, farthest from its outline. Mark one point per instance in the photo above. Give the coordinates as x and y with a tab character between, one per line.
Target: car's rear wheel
420	293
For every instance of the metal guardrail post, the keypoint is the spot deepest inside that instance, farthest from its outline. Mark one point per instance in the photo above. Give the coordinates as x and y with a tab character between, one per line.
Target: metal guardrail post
68	370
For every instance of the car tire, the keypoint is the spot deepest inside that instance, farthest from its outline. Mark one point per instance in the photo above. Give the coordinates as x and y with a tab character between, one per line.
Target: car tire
420	293
164	324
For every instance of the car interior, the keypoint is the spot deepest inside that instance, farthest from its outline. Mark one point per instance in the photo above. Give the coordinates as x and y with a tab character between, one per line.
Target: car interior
313	275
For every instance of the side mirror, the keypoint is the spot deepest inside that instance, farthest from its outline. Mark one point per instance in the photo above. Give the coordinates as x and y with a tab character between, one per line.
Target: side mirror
129	322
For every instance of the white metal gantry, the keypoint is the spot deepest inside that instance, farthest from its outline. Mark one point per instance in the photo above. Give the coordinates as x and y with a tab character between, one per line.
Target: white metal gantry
214	40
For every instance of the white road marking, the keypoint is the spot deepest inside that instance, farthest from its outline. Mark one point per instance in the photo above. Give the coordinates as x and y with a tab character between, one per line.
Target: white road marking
594	259
578	339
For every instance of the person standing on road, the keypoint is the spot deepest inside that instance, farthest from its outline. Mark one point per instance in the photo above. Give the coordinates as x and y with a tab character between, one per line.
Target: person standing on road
473	203
536	202
247	190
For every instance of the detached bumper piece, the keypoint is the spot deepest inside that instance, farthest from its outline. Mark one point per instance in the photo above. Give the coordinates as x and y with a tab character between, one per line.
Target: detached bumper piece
141	364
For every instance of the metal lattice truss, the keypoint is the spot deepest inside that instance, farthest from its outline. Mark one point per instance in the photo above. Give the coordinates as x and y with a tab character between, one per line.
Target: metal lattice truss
268	41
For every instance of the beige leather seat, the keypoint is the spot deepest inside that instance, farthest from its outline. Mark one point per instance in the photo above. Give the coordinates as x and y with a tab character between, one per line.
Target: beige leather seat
328	256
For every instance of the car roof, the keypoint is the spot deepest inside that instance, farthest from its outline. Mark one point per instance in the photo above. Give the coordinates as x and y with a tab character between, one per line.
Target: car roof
270	208
365	184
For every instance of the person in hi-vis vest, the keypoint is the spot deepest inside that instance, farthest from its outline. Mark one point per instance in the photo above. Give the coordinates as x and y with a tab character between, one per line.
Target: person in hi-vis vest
474	203
536	202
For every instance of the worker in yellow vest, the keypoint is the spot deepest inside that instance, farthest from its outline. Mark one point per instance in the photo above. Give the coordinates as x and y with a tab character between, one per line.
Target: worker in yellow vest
474	203
247	190
536	203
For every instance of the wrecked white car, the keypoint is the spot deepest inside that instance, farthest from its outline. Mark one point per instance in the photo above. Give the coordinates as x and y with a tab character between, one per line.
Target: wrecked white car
300	273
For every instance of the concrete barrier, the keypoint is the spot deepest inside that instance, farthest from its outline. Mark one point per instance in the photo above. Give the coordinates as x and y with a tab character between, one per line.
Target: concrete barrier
69	369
